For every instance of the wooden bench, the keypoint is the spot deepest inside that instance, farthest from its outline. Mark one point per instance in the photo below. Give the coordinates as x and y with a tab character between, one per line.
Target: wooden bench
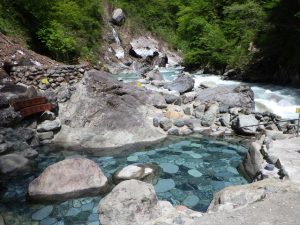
32	106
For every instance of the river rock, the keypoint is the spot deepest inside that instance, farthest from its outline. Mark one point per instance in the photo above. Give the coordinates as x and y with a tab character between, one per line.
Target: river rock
165	124
118	17
48	116
70	178
188	97
164	185
42	213
45	135
170	99
30	153
228	97
181	84
210	115
225	119
130	202
13	164
112	114
130	172
49	125
245	124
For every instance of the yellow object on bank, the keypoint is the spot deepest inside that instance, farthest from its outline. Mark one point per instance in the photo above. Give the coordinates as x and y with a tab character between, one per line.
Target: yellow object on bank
139	84
45	81
298	110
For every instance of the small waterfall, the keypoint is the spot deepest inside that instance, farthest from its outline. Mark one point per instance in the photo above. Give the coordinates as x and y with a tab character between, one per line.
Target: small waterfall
120	54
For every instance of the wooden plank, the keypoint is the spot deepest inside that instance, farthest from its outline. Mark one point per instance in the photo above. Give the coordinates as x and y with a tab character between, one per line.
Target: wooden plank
29	102
36	109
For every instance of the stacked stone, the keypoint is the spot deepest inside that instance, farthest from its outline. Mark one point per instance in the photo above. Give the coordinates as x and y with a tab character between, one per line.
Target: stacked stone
55	75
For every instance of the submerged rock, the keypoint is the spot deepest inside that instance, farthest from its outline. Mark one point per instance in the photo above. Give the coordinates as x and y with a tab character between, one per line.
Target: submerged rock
70	178
13	164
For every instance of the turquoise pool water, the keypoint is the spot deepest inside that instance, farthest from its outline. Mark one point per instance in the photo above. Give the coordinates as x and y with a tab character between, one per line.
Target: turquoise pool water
189	172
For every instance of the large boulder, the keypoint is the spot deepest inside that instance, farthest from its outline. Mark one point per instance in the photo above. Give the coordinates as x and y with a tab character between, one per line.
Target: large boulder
118	17
104	113
228	97
130	202
181	84
245	124
144	47
70	178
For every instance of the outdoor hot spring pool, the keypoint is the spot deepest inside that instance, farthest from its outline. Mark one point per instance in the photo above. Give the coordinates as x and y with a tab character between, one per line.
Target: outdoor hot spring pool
190	171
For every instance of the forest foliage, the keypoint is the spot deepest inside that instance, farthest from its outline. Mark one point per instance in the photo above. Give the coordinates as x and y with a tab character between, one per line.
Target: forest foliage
221	34
63	29
216	34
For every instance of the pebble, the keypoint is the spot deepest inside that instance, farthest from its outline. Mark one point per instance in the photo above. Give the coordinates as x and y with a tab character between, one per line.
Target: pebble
191	201
132	158
194	173
164	185
169	168
73	212
42	213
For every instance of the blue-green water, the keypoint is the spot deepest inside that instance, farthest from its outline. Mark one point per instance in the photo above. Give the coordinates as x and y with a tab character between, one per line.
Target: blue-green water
190	171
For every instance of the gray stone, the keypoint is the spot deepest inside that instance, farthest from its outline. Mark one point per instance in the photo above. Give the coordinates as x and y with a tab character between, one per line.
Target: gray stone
155	122
199	111
169	167
181	84
210	115
188	97
245	124
63	94
112	114
132	158
130	202
70	178
187	111
14	164
49	125
179	123
42	213
164	185
253	161
173	131
170	99
165	124
118	17
30	153
228	97
46	135
225	119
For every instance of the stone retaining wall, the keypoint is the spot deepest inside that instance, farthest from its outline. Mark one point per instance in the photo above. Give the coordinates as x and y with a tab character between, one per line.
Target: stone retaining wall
46	77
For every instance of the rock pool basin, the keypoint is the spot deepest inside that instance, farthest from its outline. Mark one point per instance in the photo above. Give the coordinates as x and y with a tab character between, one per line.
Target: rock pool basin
189	172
